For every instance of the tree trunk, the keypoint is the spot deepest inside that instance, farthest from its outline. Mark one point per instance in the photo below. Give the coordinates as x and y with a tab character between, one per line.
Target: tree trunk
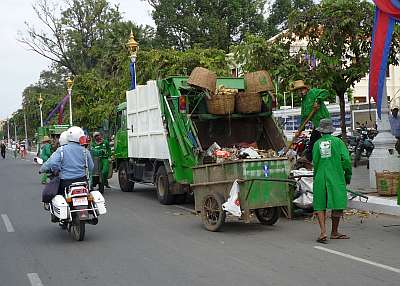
342	115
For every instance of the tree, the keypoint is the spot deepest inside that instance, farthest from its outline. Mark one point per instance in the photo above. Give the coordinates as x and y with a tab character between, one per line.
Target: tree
339	35
77	37
209	23
279	12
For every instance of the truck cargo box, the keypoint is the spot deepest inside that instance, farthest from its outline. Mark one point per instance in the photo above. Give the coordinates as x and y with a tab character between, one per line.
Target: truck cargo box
146	134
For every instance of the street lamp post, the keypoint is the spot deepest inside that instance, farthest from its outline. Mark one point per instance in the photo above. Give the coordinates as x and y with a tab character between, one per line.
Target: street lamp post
133	48
8	133
70	83
40	100
15	131
26	132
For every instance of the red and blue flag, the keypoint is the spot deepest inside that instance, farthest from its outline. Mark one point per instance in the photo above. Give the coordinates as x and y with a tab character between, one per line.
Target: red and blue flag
387	13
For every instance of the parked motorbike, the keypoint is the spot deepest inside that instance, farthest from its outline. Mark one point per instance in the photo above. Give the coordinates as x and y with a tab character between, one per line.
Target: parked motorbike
364	146
76	208
300	144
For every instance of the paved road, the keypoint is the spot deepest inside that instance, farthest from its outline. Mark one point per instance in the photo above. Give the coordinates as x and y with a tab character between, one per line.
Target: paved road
143	243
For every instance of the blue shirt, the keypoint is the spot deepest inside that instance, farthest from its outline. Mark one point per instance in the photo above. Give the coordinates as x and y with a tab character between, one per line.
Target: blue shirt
395	125
71	160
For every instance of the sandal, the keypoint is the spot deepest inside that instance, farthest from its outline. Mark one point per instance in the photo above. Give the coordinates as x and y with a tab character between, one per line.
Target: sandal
322	240
340	236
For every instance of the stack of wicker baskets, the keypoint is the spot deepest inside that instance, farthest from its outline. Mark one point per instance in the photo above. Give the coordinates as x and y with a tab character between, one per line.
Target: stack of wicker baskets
387	183
248	102
222	102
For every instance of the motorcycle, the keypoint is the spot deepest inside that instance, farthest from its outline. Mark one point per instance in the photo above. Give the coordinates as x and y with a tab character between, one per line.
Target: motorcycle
76	208
364	146
300	144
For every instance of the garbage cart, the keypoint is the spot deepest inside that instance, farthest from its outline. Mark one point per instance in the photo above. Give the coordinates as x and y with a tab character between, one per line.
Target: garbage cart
263	190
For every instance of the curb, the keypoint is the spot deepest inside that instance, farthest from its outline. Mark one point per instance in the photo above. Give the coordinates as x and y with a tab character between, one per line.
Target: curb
377	205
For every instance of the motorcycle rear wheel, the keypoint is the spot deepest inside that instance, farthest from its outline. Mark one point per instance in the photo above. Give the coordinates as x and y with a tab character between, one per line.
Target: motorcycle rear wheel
78	229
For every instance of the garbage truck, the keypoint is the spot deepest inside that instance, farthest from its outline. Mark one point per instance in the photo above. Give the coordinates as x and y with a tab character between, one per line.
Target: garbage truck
164	131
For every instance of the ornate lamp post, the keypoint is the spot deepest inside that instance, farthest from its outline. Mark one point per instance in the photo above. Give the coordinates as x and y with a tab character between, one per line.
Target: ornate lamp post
40	100
70	84
133	48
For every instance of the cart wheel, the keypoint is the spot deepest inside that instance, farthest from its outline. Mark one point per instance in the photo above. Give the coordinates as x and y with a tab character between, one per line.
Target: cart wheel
212	214
268	216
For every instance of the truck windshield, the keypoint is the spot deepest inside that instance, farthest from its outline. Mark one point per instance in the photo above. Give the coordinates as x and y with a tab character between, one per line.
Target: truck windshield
121	119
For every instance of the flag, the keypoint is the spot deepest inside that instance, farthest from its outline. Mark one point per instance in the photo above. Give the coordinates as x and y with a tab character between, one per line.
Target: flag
387	12
58	109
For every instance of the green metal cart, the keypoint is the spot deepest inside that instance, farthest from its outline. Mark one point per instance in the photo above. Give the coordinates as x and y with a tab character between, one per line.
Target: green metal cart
264	189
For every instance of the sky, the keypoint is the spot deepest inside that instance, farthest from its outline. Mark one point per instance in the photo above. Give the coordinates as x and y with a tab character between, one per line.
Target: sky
20	67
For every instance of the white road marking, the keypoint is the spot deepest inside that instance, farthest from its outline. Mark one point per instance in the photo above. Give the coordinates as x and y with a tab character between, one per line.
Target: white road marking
379	265
7	223
34	279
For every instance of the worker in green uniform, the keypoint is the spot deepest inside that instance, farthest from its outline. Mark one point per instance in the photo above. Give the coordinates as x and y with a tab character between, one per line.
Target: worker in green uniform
101	148
332	172
312	99
45	154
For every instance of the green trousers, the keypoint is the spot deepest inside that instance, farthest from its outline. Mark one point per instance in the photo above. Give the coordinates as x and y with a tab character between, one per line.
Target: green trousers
104	167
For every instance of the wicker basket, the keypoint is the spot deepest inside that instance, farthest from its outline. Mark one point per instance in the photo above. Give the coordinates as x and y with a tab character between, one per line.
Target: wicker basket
248	102
387	183
223	102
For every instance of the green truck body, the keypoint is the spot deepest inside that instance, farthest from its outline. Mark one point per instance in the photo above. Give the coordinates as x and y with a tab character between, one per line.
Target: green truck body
164	130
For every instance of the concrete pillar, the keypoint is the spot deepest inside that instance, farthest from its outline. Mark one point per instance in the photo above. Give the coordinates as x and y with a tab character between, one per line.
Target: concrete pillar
384	156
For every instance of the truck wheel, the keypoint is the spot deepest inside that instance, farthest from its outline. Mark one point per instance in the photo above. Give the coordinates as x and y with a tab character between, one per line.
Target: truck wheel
268	216
212	214
180	199
123	178
162	185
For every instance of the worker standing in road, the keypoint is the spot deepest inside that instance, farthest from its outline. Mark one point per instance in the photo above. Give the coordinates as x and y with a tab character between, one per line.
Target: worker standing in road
3	149
312	99
45	154
101	148
395	126
332	172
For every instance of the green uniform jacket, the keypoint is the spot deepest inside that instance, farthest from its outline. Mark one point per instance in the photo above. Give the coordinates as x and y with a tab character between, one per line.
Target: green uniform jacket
46	152
332	171
315	95
102	150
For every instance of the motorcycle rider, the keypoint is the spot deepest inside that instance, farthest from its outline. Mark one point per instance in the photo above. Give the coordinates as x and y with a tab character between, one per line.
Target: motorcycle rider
100	147
71	160
45	154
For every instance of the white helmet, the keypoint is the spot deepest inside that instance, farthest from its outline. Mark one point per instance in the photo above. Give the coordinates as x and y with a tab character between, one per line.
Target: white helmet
63	138
74	133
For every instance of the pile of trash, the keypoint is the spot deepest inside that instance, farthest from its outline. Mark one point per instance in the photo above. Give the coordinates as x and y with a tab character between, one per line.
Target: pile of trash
242	151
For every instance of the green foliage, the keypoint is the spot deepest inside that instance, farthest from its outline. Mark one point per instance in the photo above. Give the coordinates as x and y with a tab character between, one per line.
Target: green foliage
156	64
279	12
182	24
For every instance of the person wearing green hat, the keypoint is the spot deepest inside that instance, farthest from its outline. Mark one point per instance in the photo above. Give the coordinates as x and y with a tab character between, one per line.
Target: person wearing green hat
45	154
332	172
312	100
100	147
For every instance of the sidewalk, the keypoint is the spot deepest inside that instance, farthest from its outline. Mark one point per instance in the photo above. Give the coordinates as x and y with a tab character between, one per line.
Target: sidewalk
376	204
